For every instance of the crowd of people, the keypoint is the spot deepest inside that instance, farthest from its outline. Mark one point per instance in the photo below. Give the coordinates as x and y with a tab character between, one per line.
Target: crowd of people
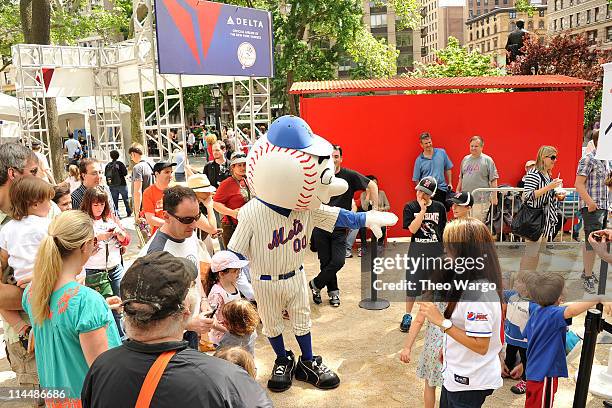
68	302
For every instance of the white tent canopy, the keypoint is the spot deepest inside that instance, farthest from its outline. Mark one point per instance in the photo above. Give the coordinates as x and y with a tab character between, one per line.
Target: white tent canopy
9	108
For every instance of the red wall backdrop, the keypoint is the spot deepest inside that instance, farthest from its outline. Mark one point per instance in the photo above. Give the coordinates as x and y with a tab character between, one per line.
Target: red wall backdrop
379	134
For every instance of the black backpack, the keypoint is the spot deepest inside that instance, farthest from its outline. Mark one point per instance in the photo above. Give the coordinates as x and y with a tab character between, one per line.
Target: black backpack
112	174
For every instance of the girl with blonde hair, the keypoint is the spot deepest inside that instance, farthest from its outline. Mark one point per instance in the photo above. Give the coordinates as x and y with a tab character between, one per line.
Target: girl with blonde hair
239	356
20	238
72	323
74	177
541	192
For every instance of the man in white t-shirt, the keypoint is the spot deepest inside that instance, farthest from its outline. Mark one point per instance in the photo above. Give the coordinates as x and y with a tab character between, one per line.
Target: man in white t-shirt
177	237
71	146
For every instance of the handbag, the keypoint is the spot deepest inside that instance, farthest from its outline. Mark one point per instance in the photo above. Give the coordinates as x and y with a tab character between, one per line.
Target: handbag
528	222
100	282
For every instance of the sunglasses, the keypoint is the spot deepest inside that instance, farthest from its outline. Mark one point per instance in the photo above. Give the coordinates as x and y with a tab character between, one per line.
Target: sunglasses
553	157
186	220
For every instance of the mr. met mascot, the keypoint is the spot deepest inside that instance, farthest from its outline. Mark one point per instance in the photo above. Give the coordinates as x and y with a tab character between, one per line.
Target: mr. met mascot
290	171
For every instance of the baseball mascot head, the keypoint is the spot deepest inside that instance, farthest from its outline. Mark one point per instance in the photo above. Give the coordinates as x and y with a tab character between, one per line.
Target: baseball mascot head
291	167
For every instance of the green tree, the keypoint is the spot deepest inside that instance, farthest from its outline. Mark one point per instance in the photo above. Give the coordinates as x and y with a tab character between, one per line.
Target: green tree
311	36
456	61
566	55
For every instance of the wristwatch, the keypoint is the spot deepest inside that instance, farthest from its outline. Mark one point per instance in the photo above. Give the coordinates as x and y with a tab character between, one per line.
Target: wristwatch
446	324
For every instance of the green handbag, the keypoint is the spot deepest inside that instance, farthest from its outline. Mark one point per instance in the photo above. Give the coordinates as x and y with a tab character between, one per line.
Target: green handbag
100	282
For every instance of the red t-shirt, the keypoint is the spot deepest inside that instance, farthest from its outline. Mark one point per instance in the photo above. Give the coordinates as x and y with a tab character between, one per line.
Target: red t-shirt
229	195
153	202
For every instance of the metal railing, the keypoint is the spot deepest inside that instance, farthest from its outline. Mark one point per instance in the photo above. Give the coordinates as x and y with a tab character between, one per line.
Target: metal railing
508	205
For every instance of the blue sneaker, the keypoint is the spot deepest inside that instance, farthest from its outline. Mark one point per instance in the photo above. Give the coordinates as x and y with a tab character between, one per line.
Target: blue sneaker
406	322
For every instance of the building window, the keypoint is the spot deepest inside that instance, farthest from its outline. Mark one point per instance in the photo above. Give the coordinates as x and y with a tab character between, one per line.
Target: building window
530	25
488	46
542	12
486	11
486	2
541	24
495	29
512	14
609	34
495	42
588	20
608	11
403	39
541	40
571	17
596	13
482	33
561	23
471	48
505	1
512	27
488	31
497	2
555	25
571	3
378	20
477	34
405	60
577	19
471	37
592	36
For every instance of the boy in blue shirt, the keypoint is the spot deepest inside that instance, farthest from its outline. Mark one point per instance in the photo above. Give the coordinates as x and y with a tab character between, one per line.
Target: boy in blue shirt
518	309
546	333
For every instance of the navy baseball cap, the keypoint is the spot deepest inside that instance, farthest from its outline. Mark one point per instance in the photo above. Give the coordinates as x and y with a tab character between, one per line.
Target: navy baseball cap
463	199
293	132
159	166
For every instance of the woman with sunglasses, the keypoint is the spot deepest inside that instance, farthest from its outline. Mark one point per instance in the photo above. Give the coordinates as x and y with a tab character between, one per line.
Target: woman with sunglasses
233	193
112	239
72	324
540	193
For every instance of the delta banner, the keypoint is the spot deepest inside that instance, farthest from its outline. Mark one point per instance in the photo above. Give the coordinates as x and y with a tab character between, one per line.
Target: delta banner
604	147
205	38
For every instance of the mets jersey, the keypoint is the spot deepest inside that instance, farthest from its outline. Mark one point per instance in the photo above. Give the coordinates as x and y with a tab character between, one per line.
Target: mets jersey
275	239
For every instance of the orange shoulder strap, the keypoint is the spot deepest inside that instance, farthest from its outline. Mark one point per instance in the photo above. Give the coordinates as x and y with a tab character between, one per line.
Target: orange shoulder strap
152	379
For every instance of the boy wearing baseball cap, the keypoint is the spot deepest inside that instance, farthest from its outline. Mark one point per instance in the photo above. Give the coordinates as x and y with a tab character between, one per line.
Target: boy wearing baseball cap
425	219
462	204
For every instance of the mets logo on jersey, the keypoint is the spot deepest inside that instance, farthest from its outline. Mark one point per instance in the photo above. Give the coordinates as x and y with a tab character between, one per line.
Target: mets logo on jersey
477	317
279	238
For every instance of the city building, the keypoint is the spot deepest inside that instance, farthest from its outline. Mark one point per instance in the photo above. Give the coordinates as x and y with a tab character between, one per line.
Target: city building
488	32
381	21
592	18
439	23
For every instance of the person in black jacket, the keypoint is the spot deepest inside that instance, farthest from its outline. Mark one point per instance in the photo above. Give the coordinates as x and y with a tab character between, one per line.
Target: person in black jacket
156	307
515	41
115	173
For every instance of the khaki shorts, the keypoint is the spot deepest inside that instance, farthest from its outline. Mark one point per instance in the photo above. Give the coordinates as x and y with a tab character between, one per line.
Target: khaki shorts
23	364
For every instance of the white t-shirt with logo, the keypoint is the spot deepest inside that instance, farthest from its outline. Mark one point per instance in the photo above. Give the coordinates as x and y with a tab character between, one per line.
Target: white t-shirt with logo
188	248
479	314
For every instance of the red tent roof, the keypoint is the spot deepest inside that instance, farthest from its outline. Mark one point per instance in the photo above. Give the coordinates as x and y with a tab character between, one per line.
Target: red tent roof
405	84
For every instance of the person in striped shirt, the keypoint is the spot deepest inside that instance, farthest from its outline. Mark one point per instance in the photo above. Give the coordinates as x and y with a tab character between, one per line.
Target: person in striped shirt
542	191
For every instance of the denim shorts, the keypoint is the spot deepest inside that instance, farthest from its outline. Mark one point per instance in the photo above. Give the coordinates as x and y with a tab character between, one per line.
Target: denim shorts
593	221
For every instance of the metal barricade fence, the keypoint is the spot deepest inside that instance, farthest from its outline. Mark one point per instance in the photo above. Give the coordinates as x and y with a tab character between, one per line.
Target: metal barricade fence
499	219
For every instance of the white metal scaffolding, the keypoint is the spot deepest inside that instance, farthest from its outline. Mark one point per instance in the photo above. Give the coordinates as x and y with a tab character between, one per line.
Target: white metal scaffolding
252	107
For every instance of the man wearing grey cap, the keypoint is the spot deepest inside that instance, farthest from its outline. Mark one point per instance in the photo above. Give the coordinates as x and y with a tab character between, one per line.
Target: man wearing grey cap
156	309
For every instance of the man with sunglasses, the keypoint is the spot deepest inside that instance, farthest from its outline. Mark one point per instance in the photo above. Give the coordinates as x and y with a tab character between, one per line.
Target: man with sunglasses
217	169
16	161
176	236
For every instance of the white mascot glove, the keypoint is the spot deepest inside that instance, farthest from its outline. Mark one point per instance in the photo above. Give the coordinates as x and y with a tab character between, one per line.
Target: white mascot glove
377	219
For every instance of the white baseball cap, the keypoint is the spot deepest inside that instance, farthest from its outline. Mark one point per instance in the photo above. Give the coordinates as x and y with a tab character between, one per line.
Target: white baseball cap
223	260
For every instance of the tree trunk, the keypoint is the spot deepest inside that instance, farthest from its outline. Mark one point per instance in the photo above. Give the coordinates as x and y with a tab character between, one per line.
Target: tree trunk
227	101
136	119
290	97
36	25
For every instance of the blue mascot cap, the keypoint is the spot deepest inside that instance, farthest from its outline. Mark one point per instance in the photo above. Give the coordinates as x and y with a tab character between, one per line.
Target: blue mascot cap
293	132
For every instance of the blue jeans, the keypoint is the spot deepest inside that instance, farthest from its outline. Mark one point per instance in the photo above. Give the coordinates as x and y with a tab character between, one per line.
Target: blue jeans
120	190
